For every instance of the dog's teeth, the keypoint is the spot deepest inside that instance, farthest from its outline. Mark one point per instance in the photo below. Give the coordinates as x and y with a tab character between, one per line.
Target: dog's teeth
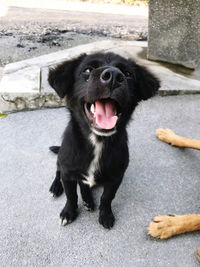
92	109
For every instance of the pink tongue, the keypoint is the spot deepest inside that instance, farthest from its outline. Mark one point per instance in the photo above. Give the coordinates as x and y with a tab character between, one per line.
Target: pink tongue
105	114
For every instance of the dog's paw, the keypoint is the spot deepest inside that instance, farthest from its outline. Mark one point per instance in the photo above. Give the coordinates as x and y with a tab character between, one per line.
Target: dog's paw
67	216
164	226
166	135
56	188
198	254
89	206
107	219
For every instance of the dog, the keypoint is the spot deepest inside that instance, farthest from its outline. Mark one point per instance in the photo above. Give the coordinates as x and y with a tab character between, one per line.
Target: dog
166	226
101	91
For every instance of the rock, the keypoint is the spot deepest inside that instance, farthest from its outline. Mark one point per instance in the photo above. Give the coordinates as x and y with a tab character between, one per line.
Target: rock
20	46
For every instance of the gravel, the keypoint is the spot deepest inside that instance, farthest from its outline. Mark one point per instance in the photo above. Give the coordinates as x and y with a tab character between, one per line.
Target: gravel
25	34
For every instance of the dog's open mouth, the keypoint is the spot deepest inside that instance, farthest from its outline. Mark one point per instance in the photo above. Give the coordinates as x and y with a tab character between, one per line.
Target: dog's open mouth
103	114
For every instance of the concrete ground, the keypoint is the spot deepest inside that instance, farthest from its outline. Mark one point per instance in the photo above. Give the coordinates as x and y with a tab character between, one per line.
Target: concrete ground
160	180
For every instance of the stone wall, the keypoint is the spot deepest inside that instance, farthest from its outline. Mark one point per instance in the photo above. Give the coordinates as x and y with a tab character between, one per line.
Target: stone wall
174	32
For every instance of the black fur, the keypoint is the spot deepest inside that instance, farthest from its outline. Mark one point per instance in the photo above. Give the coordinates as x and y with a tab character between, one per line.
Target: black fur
55	149
83	81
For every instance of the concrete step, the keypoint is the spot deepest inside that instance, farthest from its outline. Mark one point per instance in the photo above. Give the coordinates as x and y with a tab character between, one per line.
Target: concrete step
24	84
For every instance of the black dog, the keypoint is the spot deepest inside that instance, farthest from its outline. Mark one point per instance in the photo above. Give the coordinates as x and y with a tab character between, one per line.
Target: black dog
101	90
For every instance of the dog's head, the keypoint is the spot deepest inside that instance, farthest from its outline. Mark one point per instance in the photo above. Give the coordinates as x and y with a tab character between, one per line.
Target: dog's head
102	90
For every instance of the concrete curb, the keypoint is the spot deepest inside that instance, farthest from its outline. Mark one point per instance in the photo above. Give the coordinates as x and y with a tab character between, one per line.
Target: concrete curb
21	86
24	84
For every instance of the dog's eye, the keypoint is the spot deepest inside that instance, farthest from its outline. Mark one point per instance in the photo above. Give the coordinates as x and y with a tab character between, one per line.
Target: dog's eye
87	71
127	74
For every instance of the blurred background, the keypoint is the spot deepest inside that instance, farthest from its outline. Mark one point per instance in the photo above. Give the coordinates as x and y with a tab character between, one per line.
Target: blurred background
31	28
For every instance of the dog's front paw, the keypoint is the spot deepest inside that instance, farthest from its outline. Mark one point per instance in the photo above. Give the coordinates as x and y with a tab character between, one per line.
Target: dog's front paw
67	216
56	188
166	135
164	226
107	219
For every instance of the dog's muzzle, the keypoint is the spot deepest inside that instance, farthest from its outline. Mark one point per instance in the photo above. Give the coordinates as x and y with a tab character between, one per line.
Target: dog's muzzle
112	78
103	115
103	109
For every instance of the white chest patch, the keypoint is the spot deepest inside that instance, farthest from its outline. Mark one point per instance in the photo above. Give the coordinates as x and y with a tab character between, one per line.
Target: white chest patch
94	164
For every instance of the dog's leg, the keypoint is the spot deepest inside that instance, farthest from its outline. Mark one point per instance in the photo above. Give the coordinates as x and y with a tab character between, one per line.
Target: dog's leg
166	226
106	217
86	196
56	188
168	136
68	214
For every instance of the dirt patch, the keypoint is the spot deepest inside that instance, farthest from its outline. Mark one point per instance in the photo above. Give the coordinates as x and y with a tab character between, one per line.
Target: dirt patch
25	34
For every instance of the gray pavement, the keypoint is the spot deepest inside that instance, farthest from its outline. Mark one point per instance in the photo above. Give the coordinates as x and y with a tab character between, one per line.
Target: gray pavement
160	180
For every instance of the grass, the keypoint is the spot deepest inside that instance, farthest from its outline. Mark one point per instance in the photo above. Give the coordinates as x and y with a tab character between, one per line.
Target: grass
2	115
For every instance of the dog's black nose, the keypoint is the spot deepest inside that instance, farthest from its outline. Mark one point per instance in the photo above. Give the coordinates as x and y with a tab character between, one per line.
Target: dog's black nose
112	77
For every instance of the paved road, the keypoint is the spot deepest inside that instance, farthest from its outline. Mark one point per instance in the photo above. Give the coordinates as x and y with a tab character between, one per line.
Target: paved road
160	180
28	32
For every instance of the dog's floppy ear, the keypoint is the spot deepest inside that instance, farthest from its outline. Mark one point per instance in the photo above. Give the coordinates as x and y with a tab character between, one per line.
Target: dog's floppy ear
146	83
61	78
